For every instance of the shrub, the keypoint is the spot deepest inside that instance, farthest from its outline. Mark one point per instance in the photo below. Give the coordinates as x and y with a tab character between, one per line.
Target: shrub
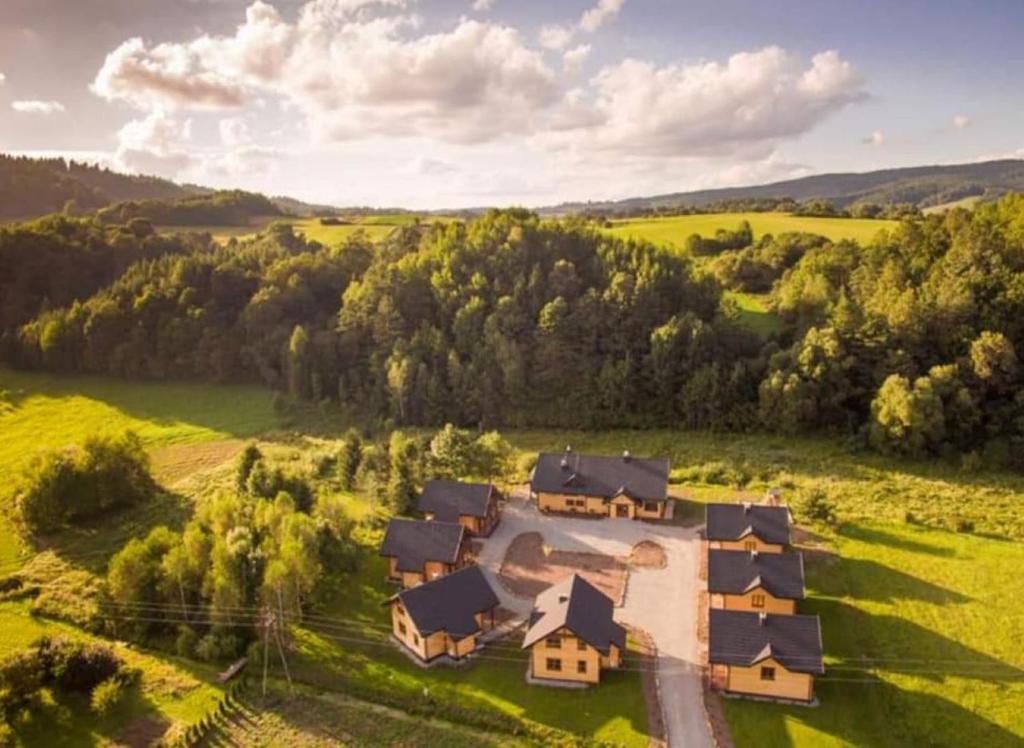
106	695
964	525
218	646
186	641
63	486
818	508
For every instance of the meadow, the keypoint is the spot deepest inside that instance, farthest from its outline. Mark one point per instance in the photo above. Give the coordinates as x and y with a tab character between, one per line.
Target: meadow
920	622
672	231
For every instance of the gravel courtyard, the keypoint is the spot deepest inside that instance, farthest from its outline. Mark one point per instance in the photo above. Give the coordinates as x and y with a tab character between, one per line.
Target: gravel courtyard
661	601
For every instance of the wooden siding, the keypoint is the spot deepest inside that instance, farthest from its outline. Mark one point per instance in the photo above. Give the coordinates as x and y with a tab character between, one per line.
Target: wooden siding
595	505
438	643
570	652
749	543
787	684
772	604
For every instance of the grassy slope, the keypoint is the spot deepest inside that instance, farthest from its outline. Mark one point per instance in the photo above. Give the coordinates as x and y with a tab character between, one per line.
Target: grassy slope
940	614
357	653
674	230
754	313
169	692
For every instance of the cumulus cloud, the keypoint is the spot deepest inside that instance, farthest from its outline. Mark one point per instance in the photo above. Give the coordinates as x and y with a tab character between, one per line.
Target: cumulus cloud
961	121
33	106
742	108
482	5
350	72
573	59
877	137
596	17
3	79
554	36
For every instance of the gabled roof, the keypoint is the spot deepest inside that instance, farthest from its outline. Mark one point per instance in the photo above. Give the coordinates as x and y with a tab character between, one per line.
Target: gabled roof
738	572
577	605
736	521
447	500
597	475
745	639
414	542
449	603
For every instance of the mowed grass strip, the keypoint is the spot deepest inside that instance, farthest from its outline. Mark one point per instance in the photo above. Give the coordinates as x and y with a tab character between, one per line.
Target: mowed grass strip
922	640
672	231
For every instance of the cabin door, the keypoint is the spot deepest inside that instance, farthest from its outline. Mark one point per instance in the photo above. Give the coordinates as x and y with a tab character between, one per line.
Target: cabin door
622	510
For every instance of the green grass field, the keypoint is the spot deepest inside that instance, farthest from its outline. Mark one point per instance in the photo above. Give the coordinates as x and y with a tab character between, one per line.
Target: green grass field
333	236
673	231
921	624
754	313
922	635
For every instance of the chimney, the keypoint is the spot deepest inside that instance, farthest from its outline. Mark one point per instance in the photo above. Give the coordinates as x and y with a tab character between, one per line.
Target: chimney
753	556
568	448
625	455
762	618
746	507
565	462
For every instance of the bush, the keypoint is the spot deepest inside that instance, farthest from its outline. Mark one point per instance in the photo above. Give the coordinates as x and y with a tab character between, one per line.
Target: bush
218	646
106	695
818	508
717	474
964	525
186	641
64	486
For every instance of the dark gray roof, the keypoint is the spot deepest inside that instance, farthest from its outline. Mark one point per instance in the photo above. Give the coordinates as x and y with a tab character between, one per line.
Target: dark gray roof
450	603
738	572
740	638
735	521
580	607
447	500
414	542
597	475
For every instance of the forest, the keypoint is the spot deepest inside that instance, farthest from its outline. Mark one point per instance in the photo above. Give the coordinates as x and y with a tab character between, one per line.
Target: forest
907	344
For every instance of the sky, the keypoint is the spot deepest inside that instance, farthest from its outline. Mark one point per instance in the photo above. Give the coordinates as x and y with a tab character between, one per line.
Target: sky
459	103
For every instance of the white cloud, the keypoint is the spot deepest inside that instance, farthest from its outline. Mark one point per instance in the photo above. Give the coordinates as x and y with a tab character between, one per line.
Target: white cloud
33	106
234	131
961	121
350	72
742	108
876	138
426	166
560	36
154	144
574	58
605	10
3	79
554	36
481	6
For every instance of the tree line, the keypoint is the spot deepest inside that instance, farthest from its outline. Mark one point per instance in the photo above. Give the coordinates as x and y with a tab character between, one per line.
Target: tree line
509	320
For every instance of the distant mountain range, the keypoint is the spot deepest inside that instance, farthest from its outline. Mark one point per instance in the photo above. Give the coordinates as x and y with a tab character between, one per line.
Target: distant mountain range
922	186
34	187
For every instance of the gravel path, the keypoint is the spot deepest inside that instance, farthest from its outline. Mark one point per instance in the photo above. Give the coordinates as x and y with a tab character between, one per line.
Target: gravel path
663	602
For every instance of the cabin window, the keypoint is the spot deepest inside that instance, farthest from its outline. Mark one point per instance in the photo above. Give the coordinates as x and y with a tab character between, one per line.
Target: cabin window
581	645
750	545
650	506
553	642
401	629
768	673
581	667
416	639
400	609
554	664
757	601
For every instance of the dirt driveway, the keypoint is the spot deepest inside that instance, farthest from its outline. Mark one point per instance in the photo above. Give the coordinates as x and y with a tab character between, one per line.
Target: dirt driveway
662	601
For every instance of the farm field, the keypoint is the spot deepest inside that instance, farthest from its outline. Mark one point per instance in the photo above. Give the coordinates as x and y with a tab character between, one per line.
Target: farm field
673	231
891	593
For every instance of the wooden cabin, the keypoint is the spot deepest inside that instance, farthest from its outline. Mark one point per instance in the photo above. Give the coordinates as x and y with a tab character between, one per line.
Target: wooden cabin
572	636
419	551
747	527
764	655
444	617
755	581
626	487
472	505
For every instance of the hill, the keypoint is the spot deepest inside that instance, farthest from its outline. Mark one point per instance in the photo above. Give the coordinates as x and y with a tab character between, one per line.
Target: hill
34	187
922	186
225	208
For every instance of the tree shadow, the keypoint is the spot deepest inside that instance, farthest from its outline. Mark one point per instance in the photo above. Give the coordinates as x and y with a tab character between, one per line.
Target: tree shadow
873	534
901	646
880	583
870	713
